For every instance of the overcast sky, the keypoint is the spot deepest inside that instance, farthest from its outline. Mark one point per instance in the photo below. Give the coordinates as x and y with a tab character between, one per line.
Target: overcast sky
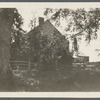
27	10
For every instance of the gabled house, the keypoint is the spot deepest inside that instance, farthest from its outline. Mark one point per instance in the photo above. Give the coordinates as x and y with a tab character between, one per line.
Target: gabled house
46	28
58	44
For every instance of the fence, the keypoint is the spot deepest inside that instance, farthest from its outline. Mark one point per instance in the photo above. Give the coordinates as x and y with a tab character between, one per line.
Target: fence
87	66
21	65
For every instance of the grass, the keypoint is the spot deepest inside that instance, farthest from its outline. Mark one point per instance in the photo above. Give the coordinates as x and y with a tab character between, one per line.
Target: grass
57	81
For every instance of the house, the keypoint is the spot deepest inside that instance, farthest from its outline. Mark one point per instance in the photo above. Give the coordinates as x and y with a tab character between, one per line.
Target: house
54	37
46	28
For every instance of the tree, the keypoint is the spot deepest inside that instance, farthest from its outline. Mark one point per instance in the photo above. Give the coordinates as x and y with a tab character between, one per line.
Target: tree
79	22
6	22
17	35
32	24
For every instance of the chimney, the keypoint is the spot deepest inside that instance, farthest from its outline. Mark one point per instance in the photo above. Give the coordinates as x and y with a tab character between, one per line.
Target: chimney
41	20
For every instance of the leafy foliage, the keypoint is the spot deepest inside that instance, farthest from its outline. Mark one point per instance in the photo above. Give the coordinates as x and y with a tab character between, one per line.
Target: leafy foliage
32	24
78	22
16	34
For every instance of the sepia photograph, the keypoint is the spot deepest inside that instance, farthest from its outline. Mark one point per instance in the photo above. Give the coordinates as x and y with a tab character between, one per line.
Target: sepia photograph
49	47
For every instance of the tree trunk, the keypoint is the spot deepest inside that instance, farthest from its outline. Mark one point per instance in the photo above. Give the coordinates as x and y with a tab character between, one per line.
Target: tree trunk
6	21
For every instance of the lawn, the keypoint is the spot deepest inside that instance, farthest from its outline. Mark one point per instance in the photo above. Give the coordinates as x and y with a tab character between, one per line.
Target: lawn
57	81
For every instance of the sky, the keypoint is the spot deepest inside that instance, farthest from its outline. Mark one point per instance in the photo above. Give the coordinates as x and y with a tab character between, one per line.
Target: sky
27	10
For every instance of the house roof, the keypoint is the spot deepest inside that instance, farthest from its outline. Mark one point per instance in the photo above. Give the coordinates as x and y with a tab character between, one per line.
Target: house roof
54	26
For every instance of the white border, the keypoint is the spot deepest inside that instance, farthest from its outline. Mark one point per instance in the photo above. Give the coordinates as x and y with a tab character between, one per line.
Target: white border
50	4
50	94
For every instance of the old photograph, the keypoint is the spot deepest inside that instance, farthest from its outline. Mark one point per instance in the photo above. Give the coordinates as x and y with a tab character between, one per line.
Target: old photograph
50	47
